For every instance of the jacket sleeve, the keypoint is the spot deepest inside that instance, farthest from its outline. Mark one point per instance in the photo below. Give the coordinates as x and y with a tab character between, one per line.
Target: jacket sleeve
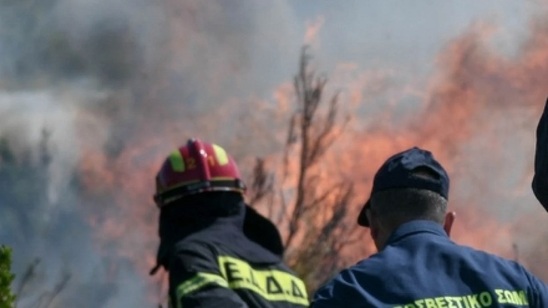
325	298
537	295
540	178
338	292
195	281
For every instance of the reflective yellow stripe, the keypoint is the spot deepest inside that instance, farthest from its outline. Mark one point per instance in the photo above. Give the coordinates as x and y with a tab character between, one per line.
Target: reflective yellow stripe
177	162
220	155
273	285
197	282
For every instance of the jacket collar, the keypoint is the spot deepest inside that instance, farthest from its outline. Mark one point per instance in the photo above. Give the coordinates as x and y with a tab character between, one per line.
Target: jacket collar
415	227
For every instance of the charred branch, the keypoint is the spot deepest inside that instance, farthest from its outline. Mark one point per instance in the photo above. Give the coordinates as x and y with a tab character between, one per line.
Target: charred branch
262	183
315	136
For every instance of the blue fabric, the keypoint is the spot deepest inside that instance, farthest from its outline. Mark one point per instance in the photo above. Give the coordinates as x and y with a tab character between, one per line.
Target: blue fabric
422	267
397	172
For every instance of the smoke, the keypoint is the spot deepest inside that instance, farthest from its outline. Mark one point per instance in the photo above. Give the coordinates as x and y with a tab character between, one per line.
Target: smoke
93	94
478	116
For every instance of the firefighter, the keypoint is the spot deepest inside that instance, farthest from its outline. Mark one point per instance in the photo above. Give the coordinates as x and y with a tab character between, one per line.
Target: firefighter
417	264
540	179
203	246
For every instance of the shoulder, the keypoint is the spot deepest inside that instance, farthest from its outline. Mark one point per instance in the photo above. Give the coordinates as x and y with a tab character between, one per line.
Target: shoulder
348	284
356	284
500	269
485	258
193	254
191	260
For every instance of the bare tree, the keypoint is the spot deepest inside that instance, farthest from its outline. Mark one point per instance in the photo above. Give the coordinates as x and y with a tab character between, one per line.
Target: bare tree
313	134
44	298
316	223
48	297
26	279
263	182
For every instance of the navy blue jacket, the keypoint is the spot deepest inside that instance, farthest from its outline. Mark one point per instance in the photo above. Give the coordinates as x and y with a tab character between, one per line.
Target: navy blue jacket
421	267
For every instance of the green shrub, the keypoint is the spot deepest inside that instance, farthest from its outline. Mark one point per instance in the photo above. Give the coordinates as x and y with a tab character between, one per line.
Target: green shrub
7	298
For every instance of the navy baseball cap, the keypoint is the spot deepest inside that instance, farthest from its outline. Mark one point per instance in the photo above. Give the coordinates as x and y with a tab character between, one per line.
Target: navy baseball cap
401	171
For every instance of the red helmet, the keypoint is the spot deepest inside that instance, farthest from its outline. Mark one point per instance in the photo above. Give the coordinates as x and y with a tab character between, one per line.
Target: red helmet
194	168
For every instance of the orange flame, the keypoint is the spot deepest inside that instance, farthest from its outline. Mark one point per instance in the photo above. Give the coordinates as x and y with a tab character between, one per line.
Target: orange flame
473	83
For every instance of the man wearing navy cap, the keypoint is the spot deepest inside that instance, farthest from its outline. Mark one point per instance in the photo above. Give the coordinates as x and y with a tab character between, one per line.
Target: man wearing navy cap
417	264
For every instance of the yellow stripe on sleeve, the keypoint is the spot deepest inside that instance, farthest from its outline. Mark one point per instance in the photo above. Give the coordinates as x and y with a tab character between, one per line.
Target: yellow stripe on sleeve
197	282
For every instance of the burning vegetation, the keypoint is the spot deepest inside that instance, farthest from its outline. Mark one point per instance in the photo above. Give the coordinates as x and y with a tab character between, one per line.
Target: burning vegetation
88	117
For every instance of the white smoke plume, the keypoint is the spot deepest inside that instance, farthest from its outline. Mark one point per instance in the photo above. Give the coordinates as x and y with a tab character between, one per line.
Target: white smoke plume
94	93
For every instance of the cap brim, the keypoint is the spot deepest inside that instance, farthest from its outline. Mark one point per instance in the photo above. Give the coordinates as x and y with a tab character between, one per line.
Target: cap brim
362	218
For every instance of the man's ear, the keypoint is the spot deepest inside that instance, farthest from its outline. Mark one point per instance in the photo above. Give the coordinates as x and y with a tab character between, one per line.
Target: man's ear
448	223
372	227
374	230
